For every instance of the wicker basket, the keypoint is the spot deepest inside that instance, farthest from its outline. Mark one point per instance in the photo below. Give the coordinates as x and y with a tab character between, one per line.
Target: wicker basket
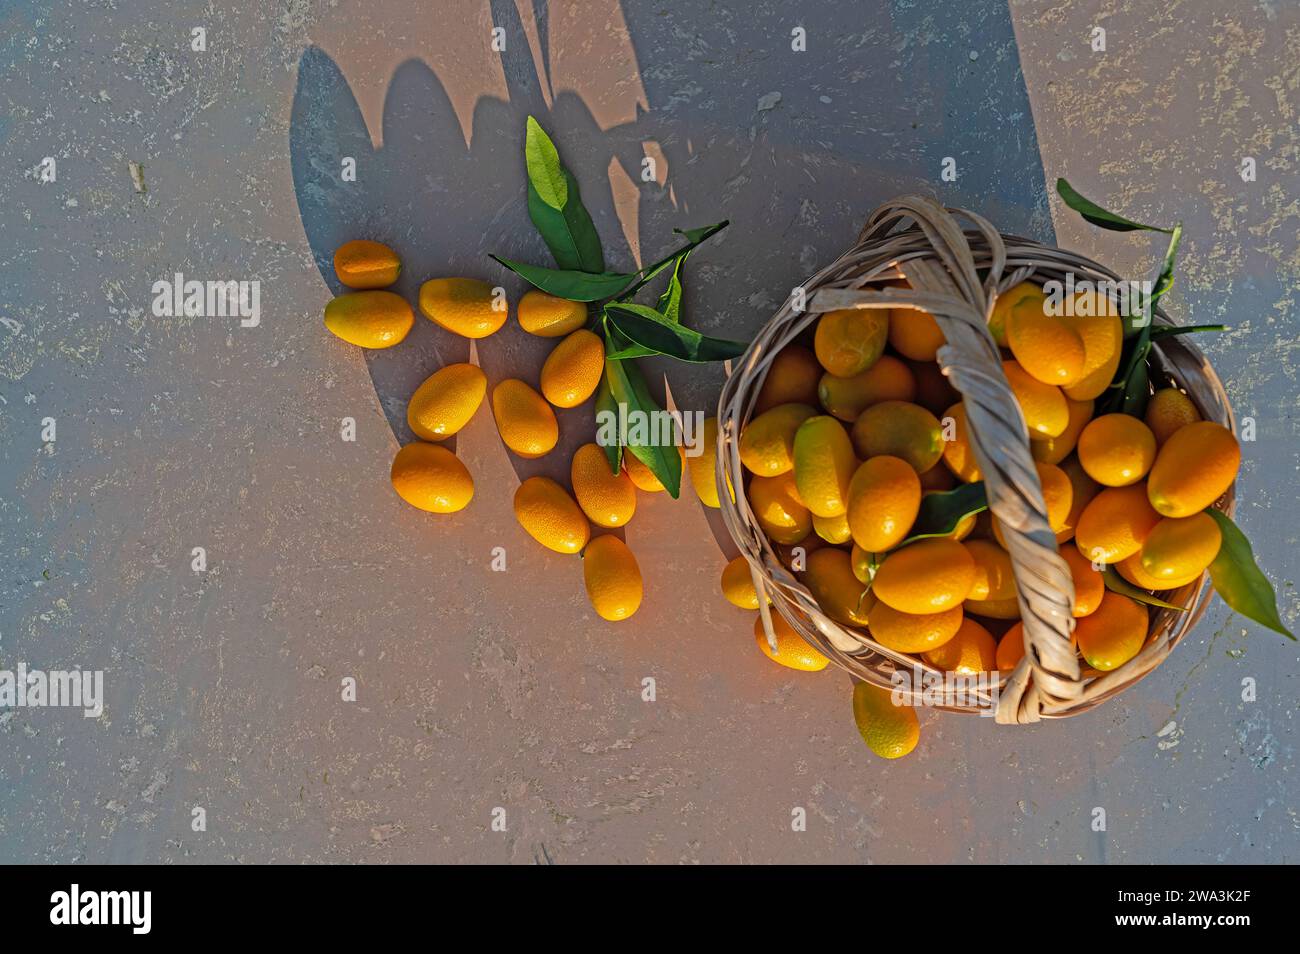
914	238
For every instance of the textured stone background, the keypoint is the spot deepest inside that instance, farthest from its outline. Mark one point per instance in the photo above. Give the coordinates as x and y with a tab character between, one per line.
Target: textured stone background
481	689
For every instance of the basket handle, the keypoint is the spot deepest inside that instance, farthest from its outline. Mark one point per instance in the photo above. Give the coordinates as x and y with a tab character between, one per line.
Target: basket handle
950	289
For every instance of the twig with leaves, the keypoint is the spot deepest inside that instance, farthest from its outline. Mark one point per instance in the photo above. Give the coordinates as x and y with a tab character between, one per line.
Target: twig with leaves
631	330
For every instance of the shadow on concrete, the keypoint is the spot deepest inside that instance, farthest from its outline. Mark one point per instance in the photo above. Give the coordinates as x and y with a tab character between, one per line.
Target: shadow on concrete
883	93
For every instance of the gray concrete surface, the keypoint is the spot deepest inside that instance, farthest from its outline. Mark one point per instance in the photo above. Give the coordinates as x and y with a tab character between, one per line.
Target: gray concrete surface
480	690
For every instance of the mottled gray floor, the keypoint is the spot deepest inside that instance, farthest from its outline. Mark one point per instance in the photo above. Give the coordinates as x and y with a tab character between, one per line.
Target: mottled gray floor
482	690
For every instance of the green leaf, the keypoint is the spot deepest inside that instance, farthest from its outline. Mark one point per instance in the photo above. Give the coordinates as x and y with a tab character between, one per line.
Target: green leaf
1239	580
1165	280
1117	584
555	206
1137	386
631	352
568	233
648	274
617	345
696	236
545	171
628	387
670	302
650	329
581	286
1140	318
605	403
1098	216
1169	331
940	513
1129	389
566	283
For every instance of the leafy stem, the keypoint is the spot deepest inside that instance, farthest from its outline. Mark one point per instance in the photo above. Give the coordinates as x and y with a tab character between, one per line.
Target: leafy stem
1236	576
1170	331
697	236
630	330
1102	218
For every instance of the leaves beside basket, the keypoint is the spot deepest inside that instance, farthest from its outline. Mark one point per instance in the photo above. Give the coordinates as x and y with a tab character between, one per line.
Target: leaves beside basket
555	206
1130	388
1239	580
1102	218
631	330
1235	574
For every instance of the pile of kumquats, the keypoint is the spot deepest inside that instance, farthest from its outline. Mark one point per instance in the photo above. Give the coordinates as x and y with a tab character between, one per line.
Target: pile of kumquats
429	476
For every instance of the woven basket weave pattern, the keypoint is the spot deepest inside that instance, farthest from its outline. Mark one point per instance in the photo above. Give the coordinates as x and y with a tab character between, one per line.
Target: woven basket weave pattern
914	238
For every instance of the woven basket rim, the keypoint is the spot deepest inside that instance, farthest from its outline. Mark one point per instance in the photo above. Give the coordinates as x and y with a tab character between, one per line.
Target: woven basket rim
903	236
